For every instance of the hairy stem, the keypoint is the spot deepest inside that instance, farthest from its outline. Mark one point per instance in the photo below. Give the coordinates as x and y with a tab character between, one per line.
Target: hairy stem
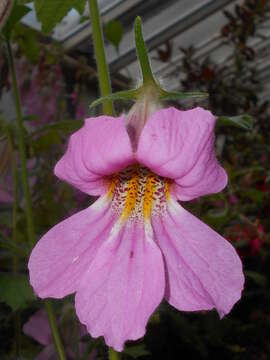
104	81
21	144
56	336
17	316
102	67
27	195
113	355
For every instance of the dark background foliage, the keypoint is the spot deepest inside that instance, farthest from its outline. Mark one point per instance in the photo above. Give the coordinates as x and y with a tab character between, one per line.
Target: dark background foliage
55	95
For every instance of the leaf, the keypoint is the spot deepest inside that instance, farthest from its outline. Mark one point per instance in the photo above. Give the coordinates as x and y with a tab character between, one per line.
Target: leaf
236	348
244	121
49	135
17	13
8	245
5	218
174	95
51	12
5	10
136	351
30	118
258	278
64	125
15	290
84	18
113	31
27	40
44	142
80	6
240	244
142	54
121	95
254	195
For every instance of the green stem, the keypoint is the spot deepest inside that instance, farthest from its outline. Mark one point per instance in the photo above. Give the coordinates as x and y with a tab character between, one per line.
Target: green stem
17	316
104	81
27	195
77	336
102	67
147	75
20	134
56	337
17	330
15	203
113	355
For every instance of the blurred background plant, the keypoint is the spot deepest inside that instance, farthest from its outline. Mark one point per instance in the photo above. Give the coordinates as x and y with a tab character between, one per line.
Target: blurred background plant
56	90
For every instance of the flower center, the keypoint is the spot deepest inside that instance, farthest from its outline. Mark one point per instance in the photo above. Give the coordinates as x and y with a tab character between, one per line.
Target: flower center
137	193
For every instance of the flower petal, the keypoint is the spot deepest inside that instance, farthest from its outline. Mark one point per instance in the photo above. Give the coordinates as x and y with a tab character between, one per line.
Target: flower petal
5	196
100	148
38	328
123	286
63	254
49	352
180	145
203	269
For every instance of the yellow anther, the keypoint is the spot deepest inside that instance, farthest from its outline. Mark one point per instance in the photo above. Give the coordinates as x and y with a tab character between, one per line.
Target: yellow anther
167	189
132	192
150	189
138	194
112	186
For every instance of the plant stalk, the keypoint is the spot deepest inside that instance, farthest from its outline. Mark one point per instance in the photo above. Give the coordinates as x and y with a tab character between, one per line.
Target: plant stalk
147	75
17	316
56	336
113	355
102	67
104	81
20	134
27	195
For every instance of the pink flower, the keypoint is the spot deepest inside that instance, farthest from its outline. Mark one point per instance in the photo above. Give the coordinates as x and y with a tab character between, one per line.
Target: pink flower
6	182
136	244
253	235
255	245
5	196
38	328
40	88
233	199
80	111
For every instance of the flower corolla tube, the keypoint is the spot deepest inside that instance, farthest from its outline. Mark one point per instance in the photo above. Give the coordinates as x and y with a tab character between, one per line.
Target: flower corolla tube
136	244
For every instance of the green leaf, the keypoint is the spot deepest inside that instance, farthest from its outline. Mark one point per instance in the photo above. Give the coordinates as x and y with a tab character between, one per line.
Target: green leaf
51	12
23	2
84	18
258	278
64	125
8	245
253	194
15	290
121	95
80	6
236	348
45	141
114	32
244	121
136	351
17	13
5	12
175	95
27	40
142	54
240	244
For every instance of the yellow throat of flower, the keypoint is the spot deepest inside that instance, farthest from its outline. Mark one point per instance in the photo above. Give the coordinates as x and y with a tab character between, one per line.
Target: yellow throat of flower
137	193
